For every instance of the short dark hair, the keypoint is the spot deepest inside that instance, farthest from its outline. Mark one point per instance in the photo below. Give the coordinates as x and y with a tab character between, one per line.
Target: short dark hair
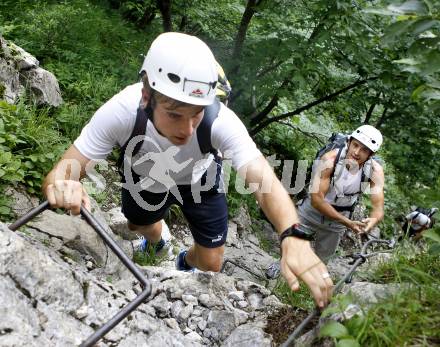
157	97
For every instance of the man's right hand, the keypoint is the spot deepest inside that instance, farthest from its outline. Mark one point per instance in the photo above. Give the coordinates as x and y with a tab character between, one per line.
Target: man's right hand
67	194
299	261
357	226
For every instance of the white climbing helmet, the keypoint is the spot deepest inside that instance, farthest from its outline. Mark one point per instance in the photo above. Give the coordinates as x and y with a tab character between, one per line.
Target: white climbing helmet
182	67
369	136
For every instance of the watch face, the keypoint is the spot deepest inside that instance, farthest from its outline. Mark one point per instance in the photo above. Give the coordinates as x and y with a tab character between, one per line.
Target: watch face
294	231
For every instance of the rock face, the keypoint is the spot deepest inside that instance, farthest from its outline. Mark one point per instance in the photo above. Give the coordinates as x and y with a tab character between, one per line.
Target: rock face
58	284
20	73
21	201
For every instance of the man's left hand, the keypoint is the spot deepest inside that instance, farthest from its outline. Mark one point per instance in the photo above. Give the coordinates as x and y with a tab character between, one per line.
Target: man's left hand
371	222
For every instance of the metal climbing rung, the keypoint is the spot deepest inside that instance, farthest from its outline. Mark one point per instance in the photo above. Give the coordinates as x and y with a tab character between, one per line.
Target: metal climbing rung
145	284
359	259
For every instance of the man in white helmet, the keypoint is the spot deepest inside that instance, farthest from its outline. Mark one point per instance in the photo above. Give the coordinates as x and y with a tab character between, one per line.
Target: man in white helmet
176	95
338	179
418	221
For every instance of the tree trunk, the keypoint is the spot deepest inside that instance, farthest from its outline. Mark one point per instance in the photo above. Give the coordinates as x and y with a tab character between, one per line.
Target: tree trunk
183	22
164	7
249	12
369	113
371	109
382	117
270	106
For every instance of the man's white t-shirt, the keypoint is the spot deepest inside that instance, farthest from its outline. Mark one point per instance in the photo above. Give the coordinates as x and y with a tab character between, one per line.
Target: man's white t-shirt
113	124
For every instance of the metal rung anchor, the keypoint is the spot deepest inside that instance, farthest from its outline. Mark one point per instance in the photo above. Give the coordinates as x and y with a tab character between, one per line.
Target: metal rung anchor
145	284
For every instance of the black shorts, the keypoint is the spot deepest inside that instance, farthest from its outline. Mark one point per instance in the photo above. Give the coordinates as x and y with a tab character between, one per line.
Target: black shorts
208	219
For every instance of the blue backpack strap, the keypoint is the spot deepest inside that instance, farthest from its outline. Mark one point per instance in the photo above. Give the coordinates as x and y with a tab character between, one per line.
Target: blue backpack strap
204	128
139	128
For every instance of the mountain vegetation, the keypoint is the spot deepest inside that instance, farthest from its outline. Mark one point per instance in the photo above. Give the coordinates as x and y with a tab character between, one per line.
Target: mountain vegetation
299	70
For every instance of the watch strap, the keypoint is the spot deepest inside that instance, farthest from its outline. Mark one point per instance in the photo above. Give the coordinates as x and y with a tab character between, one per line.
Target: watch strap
294	231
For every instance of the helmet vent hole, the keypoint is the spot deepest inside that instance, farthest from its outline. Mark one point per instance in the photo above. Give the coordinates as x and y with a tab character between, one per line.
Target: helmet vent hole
173	77
154	83
373	141
160	69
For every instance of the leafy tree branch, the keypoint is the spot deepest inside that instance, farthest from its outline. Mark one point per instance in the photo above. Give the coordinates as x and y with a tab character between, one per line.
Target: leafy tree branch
328	97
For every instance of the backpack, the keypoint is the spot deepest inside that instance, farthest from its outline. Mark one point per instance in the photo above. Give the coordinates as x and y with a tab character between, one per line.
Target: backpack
429	212
223	87
339	141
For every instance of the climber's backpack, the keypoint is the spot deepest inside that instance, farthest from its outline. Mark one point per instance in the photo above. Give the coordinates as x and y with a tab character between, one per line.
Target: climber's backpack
429	212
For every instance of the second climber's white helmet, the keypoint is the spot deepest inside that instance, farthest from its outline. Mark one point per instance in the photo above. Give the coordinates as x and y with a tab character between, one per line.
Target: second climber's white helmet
182	67
368	136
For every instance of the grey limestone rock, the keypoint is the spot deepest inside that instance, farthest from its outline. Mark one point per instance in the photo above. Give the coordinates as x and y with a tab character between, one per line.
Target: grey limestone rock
185	313
21	201
42	85
20	72
222	321
255	300
168	337
189	299
236	295
370	293
247	336
243	221
161	305
176	307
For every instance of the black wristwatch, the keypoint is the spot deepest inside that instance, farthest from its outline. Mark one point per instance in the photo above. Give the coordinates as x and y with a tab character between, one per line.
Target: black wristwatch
294	231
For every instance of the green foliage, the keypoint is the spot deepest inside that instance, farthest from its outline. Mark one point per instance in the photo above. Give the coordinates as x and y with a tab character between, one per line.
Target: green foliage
415	32
433	236
91	51
93	54
410	317
407	317
339	304
25	135
397	202
237	198
149	257
301	298
175	215
410	265
333	329
2	91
